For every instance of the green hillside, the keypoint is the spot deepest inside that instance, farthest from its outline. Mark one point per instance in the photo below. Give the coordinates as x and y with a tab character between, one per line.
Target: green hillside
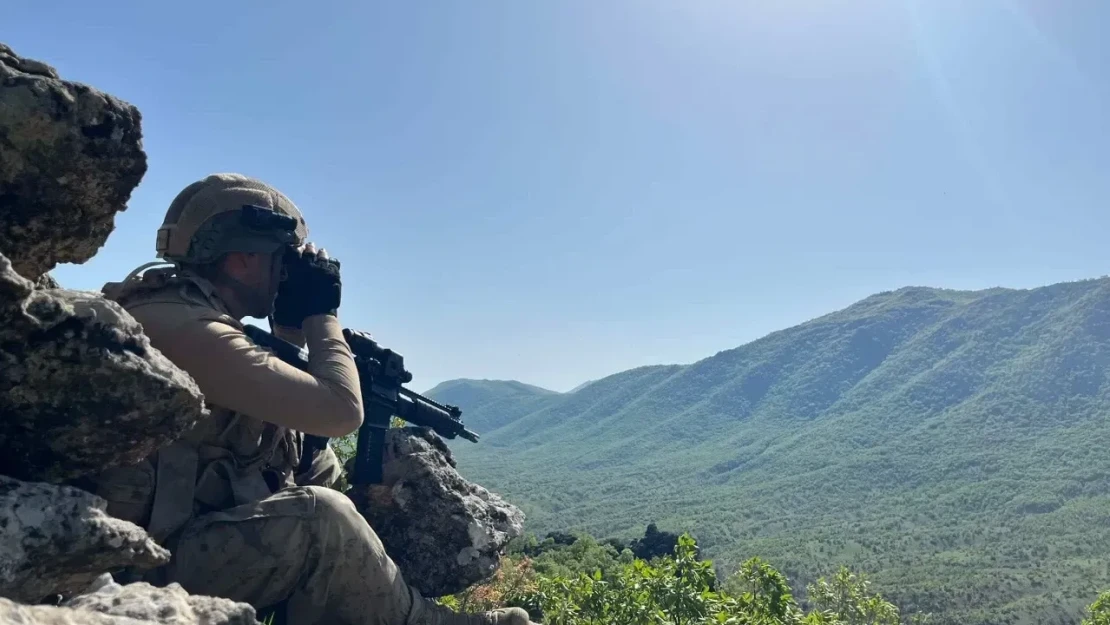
953	445
491	404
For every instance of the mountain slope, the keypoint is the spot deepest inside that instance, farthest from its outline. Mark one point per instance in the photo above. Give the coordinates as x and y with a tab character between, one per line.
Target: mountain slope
490	404
951	444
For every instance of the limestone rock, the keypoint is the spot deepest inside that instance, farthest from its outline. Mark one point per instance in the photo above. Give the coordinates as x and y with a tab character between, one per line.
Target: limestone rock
81	389
169	605
47	281
132	604
12	613
444	532
55	540
70	157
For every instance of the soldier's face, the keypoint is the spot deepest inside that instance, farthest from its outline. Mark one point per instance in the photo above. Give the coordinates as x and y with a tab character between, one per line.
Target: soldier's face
257	277
269	269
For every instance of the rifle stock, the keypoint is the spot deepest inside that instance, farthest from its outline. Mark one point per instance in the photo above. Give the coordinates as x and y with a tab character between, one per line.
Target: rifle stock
382	376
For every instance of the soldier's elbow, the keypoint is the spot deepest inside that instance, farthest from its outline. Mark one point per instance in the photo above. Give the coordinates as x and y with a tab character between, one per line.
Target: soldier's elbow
347	419
354	418
343	410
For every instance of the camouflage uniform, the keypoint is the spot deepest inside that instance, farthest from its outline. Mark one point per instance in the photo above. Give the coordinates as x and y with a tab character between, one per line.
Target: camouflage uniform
225	498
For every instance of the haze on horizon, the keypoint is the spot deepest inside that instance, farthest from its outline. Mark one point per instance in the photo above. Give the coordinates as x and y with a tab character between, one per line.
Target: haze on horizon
555	192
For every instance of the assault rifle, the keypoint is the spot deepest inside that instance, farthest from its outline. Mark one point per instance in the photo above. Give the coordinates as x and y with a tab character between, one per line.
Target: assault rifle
382	375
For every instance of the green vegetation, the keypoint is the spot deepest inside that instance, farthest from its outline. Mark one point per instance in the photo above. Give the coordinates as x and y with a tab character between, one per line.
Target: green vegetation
586	582
1098	613
952	445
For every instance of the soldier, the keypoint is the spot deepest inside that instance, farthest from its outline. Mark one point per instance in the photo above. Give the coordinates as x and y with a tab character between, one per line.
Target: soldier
225	499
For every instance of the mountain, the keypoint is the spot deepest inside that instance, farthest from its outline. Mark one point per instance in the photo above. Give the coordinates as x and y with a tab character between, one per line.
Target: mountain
953	445
490	404
581	386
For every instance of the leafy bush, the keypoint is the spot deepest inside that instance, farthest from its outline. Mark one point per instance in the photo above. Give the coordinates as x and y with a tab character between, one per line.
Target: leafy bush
679	589
584	554
1098	613
654	543
514	583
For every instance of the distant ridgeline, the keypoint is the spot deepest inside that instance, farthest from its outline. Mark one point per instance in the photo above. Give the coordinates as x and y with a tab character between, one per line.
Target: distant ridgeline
954	446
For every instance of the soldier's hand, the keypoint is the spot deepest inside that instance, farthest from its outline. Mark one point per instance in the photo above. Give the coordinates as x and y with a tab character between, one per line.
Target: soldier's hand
312	286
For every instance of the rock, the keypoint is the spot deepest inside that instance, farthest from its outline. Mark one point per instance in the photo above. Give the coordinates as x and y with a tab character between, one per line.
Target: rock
46	281
444	533
56	540
169	605
132	604
81	388
70	156
15	614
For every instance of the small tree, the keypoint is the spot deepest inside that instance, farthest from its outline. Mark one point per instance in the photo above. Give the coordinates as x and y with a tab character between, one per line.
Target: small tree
847	600
1098	613
654	543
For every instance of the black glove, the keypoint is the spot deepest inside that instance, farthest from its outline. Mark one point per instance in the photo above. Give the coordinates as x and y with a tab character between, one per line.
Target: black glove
311	287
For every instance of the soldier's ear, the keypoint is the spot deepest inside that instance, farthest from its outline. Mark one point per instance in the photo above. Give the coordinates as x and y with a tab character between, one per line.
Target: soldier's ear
238	264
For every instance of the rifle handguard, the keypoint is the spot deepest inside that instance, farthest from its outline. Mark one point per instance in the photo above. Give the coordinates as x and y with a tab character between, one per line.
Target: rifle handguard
382	375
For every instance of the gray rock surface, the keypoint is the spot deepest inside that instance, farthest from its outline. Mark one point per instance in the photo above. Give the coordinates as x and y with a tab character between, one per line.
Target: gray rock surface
70	157
170	605
81	389
133	604
47	281
444	532
56	540
15	614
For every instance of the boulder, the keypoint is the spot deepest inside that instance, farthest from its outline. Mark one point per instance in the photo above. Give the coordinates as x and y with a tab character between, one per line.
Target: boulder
132	604
169	605
56	540
444	533
16	614
81	388
70	156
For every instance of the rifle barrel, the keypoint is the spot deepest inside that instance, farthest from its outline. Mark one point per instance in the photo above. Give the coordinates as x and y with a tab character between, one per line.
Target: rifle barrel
420	410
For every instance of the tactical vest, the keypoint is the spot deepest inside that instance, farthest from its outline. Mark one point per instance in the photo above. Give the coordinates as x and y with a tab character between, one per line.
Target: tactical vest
226	459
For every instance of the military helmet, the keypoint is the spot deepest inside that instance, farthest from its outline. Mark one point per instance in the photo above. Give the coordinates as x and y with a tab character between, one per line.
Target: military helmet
228	213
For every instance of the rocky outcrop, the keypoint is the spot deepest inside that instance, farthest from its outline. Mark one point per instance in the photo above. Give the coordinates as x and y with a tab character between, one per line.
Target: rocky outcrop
132	604
169	605
81	389
55	540
70	157
444	532
47	281
18	614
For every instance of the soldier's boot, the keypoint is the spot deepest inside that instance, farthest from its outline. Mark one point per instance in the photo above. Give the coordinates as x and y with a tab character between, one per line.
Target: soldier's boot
427	612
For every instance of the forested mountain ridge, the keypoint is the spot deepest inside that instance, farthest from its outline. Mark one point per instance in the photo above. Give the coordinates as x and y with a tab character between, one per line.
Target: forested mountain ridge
491	403
950	444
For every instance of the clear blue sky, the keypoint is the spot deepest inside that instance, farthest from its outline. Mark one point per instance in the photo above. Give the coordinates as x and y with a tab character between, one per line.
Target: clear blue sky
556	191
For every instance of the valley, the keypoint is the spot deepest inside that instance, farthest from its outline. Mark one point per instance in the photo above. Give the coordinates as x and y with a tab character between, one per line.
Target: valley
949	444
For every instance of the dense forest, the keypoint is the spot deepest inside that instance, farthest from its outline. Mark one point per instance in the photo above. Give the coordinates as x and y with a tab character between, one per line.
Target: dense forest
951	445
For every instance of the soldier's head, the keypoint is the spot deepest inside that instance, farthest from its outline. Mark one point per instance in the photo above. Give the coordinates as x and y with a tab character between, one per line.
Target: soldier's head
233	230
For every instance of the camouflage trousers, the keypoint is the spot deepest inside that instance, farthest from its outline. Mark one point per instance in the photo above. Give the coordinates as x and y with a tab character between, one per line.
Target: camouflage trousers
307	545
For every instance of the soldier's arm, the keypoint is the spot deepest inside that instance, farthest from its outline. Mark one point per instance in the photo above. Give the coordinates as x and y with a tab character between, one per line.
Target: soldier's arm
292	335
234	373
